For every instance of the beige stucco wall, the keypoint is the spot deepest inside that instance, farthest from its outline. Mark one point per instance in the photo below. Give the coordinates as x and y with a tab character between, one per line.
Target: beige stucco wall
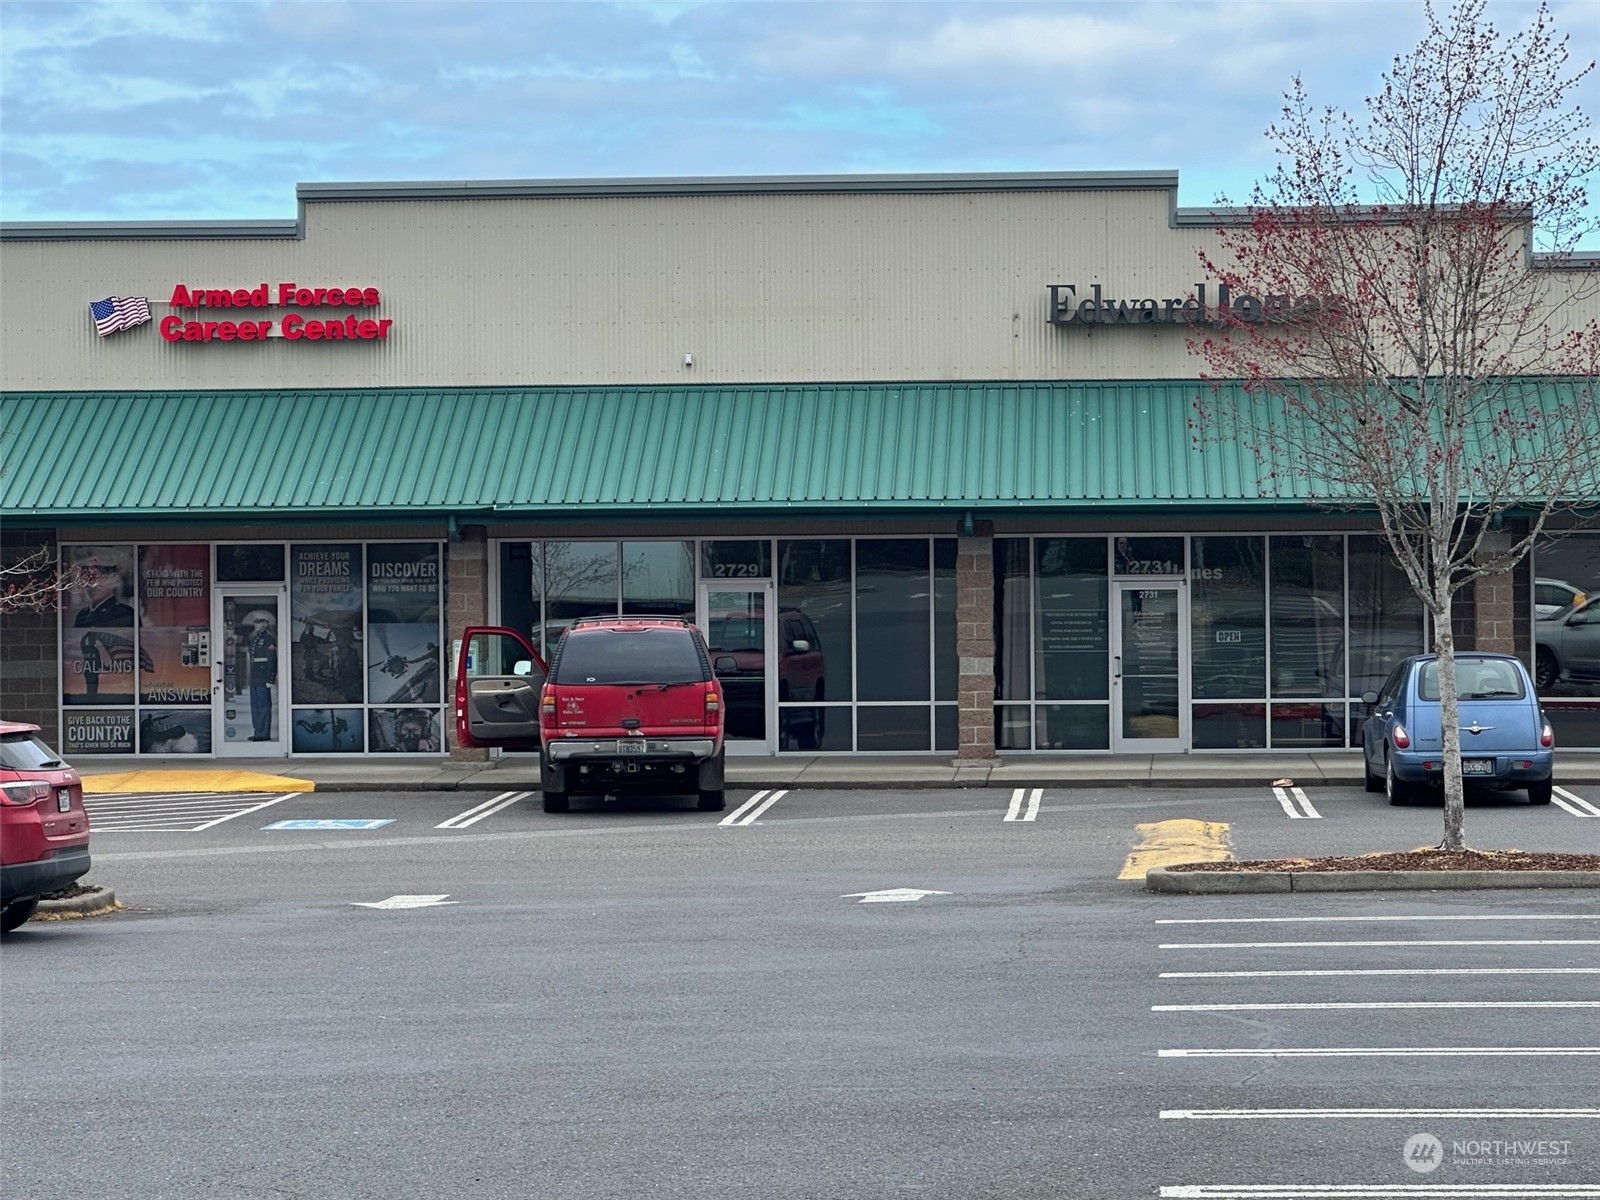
600	290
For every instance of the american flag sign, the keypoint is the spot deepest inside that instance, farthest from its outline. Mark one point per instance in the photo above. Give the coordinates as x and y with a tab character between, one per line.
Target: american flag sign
119	312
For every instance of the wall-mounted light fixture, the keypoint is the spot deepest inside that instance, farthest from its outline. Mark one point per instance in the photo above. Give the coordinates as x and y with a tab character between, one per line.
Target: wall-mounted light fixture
688	359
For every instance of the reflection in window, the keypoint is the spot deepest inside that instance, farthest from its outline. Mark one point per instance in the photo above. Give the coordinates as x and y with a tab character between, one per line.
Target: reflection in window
893	727
893	609
1229	622
946	666
1307	617
658	578
1386	618
1070	589
1307	725
580	580
814	598
1013	617
1566	632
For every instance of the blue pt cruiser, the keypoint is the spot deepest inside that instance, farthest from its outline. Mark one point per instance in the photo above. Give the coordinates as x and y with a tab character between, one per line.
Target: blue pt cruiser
1506	742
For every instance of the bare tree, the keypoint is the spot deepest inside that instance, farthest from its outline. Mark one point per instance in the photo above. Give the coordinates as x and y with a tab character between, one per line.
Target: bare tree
34	582
1409	318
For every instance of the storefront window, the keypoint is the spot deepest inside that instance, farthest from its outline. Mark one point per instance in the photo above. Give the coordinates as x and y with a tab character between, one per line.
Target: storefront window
327	656
1307	615
658	578
1228	615
1013	647
250	562
1566	634
894	614
1071	660
1387	622
946	666
887	728
814	597
580	580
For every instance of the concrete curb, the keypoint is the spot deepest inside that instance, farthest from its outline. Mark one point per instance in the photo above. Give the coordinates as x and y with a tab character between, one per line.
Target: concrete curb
87	905
531	783
1217	883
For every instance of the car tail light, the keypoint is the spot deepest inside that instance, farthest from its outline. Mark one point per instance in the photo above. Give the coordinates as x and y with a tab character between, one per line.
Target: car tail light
1400	738
24	793
547	709
1547	736
713	707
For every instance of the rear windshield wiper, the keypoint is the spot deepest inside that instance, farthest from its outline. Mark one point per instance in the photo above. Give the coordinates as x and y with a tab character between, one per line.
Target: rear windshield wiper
1500	694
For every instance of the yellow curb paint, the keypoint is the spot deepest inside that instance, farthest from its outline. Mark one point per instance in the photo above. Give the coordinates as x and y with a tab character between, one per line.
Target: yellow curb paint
1163	843
192	781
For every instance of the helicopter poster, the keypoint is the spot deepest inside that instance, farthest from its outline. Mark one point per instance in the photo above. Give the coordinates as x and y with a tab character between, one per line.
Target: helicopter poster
403	623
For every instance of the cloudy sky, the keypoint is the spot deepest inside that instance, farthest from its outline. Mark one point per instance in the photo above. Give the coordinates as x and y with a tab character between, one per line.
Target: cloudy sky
125	110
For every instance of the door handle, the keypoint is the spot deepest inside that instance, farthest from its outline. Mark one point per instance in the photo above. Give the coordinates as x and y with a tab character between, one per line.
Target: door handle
1116	671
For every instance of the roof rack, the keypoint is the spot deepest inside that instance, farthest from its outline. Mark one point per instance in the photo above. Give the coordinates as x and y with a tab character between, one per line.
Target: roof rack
613	618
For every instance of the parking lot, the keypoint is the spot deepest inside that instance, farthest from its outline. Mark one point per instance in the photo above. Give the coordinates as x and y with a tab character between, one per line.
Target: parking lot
818	992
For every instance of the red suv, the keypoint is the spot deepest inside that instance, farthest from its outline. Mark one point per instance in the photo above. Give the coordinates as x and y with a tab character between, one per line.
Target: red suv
44	830
629	703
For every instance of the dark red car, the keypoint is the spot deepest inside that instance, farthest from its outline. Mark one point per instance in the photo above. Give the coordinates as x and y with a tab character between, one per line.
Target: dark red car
44	830
630	704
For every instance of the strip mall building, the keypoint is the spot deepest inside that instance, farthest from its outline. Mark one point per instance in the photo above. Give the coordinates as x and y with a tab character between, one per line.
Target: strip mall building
916	450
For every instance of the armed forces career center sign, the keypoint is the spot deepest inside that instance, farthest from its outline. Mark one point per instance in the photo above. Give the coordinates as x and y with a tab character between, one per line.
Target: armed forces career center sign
316	314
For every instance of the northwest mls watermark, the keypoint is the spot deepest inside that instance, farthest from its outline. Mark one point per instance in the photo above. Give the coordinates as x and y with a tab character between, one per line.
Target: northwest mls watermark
1424	1153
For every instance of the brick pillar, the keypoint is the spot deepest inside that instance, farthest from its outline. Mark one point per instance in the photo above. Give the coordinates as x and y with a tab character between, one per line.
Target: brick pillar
1494	604
467	603
30	646
975	642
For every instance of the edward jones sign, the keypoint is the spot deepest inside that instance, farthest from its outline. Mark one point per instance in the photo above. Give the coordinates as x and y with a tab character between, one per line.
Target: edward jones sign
1067	308
321	325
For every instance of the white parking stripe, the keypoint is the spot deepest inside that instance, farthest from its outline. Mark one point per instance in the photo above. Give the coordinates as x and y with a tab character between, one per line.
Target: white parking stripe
1385	917
1294	803
245	811
1324	1006
1276	945
748	812
1016	812
1383	971
1385	1052
1342	1114
479	811
1574	803
1375	1191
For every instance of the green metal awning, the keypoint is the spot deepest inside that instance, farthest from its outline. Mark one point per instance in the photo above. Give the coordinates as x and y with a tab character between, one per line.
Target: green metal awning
482	453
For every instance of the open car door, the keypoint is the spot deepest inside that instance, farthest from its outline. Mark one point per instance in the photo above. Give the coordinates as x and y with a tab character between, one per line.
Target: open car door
499	680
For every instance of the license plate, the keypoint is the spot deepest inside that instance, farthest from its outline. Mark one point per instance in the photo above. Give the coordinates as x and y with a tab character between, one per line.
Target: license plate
630	745
1477	766
63	800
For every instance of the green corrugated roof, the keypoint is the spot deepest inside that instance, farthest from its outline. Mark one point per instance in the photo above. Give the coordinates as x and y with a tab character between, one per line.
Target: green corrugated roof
538	450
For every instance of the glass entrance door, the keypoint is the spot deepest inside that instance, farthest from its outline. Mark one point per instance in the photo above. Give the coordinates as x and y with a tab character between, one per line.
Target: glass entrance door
742	638
249	692
1149	670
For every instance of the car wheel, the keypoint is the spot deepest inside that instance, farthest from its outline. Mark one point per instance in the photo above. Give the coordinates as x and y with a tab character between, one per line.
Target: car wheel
713	801
556	802
1398	790
1546	671
1539	793
16	913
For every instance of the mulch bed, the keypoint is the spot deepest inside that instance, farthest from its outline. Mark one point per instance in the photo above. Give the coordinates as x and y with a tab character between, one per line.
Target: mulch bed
1415	860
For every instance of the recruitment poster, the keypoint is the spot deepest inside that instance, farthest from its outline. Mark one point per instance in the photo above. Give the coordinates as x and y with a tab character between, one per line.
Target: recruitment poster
175	625
97	733
328	655
99	653
403	623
